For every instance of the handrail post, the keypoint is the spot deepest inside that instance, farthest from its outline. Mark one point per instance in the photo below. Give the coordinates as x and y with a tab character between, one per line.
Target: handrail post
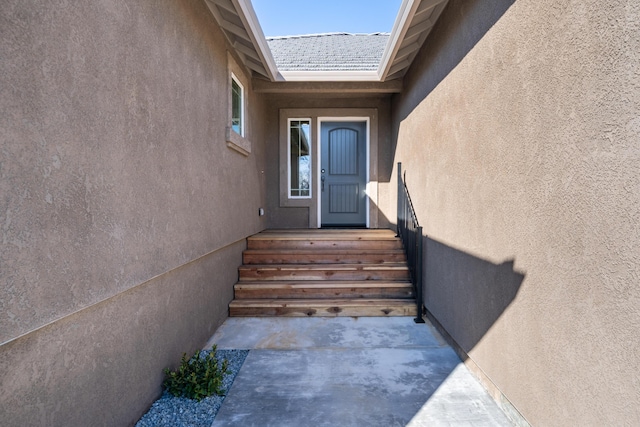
419	243
410	232
400	190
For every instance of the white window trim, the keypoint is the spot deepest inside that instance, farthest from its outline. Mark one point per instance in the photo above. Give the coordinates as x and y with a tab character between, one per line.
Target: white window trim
238	142
308	119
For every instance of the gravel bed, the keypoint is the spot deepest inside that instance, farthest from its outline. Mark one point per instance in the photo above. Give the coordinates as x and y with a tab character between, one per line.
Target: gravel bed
171	411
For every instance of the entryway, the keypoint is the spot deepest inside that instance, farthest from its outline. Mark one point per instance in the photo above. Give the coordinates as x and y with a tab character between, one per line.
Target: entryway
328	168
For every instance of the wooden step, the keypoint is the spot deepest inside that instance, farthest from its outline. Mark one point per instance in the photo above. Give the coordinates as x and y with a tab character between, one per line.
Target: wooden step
308	243
322	308
327	233
325	289
397	272
325	239
322	256
324	273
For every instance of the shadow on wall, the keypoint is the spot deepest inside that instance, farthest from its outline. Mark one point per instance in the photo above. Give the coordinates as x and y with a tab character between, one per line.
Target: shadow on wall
466	293
471	293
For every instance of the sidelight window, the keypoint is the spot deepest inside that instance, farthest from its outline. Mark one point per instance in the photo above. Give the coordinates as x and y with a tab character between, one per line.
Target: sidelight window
299	158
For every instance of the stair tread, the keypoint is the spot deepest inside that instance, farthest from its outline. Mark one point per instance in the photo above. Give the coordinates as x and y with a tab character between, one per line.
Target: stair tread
323	251
320	271
337	267
311	301
323	256
328	230
325	235
323	308
323	242
328	284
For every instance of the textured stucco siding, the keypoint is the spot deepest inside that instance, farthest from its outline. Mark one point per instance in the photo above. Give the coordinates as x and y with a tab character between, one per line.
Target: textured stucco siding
122	211
103	366
519	129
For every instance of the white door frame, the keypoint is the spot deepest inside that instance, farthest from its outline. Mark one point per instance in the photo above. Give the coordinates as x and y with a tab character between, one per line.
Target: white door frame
367	121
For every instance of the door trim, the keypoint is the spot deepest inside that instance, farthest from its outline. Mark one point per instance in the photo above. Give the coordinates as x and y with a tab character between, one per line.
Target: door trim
367	121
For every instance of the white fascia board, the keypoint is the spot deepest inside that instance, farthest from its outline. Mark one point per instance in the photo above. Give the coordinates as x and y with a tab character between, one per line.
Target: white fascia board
329	76
403	20
252	26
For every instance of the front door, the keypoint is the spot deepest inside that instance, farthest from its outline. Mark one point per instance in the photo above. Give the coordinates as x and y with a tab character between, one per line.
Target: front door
343	174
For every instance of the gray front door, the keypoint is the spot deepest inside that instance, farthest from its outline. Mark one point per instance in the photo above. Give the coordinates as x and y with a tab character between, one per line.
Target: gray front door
343	174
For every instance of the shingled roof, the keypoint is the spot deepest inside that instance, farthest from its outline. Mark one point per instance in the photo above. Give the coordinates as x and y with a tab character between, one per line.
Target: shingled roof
331	57
329	52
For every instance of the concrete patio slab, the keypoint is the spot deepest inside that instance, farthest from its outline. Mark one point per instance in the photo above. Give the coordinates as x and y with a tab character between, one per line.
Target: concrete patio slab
248	333
349	372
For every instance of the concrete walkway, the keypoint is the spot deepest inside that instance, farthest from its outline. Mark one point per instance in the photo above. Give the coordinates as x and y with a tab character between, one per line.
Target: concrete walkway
349	372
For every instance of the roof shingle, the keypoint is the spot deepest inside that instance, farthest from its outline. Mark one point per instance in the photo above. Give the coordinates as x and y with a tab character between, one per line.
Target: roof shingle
328	52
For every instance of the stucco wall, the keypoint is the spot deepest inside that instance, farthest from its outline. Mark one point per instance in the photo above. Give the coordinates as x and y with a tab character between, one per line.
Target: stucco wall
121	221
519	129
298	217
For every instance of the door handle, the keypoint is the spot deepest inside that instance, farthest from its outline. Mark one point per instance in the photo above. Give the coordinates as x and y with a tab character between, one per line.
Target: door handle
322	180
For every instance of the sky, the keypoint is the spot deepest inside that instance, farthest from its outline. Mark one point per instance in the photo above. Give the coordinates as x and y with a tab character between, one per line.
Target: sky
296	17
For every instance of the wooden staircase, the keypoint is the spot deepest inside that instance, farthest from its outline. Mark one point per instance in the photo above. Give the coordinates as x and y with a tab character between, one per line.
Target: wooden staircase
324	273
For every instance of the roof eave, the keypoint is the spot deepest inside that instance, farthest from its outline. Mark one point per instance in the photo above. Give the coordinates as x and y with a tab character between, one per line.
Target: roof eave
249	17
239	23
413	24
330	76
400	27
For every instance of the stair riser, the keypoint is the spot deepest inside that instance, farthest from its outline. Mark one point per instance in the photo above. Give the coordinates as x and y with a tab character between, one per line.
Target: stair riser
320	311
323	259
323	293
393	275
324	244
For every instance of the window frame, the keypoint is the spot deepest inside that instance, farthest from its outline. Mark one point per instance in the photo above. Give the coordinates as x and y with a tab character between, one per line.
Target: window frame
238	142
311	145
236	80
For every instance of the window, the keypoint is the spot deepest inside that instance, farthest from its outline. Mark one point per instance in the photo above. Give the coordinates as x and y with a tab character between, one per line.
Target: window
299	158
237	106
238	127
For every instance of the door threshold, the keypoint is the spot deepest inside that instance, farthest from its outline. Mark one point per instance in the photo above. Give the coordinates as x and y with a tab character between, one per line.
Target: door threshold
343	226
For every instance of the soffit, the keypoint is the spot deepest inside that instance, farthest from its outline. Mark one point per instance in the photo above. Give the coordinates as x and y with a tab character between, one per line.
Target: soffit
239	23
413	24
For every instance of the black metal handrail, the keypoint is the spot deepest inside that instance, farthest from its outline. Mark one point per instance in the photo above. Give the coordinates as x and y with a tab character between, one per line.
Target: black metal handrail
410	231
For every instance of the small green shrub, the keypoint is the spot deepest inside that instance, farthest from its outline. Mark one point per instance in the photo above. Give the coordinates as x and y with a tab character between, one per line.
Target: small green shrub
196	378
